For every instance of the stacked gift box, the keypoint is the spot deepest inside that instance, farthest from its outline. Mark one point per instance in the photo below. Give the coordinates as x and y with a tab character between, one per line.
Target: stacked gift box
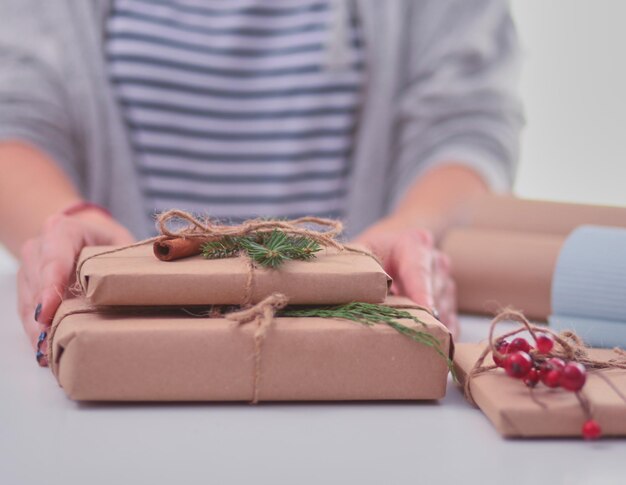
148	330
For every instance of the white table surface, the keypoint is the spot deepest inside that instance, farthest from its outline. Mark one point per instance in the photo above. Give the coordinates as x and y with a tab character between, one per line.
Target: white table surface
47	439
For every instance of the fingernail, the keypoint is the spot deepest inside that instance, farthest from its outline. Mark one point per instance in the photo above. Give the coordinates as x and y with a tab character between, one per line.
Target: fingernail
37	312
41	358
39	355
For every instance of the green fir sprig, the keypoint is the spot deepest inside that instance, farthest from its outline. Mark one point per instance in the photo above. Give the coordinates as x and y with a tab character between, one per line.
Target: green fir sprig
226	247
268	249
372	314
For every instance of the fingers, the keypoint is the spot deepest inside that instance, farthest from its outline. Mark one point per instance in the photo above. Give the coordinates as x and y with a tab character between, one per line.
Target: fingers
419	272
29	257
102	235
450	316
26	307
445	292
47	267
121	236
440	277
28	287
55	277
60	244
413	263
424	275
38	264
49	260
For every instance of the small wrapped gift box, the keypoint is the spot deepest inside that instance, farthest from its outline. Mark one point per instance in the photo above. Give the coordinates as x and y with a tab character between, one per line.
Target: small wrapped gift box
135	277
516	411
176	355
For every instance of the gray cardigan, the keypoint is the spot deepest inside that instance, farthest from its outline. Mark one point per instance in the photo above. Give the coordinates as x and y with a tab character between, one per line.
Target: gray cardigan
441	87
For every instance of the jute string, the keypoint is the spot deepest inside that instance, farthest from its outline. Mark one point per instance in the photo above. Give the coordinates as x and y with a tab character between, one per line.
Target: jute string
263	315
203	228
568	346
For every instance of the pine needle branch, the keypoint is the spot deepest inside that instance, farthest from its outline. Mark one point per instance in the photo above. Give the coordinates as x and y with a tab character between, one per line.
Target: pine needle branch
268	249
372	314
227	247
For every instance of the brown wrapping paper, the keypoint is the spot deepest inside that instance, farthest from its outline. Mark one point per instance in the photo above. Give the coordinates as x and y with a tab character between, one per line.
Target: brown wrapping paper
508	404
118	357
135	277
512	214
495	269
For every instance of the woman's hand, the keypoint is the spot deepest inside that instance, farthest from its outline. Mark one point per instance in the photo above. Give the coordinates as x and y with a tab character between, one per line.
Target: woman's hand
48	262
419	271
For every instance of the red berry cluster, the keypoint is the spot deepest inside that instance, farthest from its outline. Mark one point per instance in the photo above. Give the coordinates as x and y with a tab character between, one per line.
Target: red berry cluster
533	365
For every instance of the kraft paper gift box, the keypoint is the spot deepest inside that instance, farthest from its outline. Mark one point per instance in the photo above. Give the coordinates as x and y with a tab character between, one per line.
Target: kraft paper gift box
135	277
545	413
170	355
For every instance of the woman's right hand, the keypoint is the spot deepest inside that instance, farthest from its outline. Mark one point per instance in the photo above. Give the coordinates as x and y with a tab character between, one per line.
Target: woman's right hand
48	263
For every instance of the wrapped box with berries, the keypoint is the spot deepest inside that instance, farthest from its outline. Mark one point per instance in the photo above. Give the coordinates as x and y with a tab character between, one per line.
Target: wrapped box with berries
552	387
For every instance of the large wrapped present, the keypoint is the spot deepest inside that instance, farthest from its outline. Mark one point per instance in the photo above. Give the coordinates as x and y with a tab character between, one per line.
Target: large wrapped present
267	352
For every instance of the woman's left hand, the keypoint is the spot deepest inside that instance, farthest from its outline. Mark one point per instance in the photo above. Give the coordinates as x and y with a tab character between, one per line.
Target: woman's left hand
419	271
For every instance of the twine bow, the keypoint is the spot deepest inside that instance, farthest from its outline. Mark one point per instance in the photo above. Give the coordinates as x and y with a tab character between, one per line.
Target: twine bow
203	228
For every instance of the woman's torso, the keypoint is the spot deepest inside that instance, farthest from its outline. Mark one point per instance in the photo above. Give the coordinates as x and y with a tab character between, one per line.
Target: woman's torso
232	107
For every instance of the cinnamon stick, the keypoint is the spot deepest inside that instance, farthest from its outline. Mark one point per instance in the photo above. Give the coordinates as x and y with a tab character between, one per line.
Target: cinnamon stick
177	248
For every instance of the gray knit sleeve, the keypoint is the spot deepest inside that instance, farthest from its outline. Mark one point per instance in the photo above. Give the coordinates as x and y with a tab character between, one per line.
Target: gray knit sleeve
33	100
458	101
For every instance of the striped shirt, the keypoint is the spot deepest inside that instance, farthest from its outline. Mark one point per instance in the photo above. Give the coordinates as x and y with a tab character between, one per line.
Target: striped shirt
231	107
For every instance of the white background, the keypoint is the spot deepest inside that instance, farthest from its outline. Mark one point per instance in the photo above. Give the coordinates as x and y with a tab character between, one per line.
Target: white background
574	87
573	84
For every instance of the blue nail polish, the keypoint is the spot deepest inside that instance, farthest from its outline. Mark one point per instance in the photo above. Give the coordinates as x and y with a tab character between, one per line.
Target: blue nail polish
39	355
37	312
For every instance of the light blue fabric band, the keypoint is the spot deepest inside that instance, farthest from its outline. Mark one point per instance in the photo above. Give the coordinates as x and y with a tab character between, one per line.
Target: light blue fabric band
595	332
589	285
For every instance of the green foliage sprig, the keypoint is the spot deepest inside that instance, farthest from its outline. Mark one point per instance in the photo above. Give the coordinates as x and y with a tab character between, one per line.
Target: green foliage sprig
268	249
372	314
